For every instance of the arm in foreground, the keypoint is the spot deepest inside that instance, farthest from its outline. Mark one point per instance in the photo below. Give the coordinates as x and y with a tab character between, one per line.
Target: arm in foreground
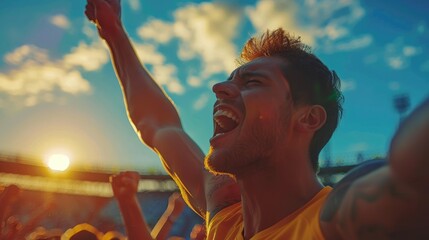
389	201
151	112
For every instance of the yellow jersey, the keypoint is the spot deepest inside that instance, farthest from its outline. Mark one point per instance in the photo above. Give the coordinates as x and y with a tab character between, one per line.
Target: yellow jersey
301	224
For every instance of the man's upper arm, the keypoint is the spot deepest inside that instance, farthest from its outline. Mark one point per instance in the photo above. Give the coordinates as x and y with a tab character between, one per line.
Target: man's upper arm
376	206
340	189
184	161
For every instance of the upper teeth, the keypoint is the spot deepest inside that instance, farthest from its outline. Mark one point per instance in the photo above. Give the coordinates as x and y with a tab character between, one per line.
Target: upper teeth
226	114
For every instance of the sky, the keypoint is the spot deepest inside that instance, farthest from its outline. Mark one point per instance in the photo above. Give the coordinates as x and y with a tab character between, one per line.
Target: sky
59	92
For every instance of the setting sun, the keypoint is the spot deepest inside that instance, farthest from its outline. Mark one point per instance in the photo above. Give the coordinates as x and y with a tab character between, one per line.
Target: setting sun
58	162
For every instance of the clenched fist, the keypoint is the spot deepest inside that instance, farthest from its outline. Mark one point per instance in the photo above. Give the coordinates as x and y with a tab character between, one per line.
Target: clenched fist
105	14
124	185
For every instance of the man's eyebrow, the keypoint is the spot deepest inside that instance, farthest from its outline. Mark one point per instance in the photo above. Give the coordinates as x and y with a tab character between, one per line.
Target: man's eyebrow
245	73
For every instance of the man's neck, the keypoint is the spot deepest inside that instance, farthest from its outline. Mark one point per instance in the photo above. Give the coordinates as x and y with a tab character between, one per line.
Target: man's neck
269	195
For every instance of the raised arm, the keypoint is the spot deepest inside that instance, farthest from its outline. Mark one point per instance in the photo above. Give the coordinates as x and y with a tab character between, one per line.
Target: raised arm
153	115
390	202
148	107
175	207
124	186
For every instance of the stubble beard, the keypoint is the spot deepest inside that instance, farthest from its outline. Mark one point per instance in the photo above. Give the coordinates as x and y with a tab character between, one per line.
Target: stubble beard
249	150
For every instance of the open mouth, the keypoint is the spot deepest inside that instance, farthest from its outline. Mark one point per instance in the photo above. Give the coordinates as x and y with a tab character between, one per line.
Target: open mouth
225	121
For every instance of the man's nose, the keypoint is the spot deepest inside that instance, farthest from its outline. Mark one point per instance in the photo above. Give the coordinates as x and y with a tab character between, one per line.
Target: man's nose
225	90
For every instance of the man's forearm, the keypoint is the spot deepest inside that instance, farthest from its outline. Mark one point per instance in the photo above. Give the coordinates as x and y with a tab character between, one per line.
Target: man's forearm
134	221
124	57
163	226
146	102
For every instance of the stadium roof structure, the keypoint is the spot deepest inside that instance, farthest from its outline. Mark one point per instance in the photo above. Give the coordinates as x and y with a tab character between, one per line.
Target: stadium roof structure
19	171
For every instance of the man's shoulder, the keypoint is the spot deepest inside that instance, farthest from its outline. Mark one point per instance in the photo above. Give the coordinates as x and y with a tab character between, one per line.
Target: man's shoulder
328	217
226	222
340	189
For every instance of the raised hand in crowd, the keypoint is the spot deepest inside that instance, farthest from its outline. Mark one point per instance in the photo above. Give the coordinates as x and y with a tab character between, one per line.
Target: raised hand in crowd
174	208
125	186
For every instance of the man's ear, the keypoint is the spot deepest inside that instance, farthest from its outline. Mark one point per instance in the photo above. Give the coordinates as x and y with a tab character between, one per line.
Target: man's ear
312	118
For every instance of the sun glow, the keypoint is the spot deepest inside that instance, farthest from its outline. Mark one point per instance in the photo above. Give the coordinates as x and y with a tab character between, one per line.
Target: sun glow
58	162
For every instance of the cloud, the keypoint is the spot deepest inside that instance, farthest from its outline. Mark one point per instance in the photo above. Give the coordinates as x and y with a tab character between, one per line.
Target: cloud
90	31
74	83
272	14
397	54
33	82
175	87
194	81
321	23
409	51
164	74
396	62
148	54
26	53
33	77
90	57
350	45
134	4
158	30
359	147
348	85
197	27
60	21
394	86
201	102
199	30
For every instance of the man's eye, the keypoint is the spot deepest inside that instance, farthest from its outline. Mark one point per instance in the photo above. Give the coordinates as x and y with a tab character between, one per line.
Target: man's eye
253	82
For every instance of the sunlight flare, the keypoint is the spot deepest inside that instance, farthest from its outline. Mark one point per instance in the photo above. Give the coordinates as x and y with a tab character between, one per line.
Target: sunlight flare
58	162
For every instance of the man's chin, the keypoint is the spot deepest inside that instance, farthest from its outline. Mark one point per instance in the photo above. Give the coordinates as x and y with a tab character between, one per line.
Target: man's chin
211	163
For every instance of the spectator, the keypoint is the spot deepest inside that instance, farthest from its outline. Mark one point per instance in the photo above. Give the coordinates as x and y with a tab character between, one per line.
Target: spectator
163	227
198	232
40	233
124	186
8	195
83	231
113	235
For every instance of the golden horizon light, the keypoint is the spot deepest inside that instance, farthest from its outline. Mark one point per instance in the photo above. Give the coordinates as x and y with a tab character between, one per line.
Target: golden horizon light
58	162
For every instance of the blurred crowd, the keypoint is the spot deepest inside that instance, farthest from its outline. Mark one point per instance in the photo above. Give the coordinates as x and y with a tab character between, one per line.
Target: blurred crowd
124	186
